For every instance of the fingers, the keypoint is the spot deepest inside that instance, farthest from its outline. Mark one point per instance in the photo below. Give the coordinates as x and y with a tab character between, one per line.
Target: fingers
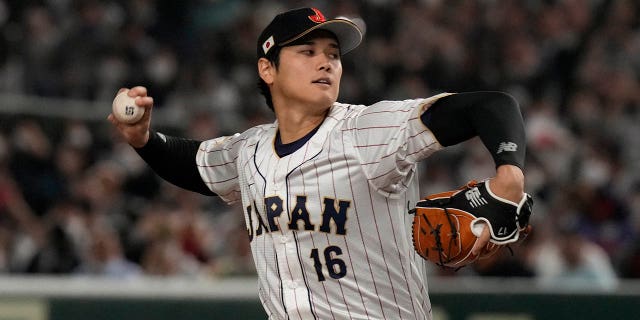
524	233
111	118
483	240
138	91
145	102
141	98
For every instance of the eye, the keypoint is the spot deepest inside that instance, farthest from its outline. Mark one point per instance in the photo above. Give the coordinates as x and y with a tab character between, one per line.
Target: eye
334	52
308	52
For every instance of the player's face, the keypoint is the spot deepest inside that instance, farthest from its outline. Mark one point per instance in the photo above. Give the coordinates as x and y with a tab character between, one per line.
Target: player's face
309	72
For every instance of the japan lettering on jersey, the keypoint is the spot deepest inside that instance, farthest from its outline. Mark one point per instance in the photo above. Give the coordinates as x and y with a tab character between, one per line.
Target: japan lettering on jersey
328	224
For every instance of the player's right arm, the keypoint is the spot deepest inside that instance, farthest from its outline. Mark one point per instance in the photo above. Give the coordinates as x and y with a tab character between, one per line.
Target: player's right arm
172	158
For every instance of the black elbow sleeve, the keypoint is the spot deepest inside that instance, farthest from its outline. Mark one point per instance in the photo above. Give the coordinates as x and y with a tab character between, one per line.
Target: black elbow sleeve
173	159
493	116
500	126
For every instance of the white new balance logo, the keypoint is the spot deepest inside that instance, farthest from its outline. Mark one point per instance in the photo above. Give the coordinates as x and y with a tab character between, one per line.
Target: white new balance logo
507	146
474	197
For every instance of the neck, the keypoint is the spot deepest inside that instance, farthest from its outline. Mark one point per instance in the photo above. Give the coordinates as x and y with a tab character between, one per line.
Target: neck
295	125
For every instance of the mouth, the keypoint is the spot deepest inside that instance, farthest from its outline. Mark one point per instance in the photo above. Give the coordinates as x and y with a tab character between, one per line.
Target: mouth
324	81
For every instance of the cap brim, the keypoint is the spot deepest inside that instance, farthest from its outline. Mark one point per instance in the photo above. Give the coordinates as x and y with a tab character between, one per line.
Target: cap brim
348	34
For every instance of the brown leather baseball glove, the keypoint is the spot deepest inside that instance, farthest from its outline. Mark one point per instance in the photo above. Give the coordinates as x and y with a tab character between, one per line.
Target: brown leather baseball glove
447	225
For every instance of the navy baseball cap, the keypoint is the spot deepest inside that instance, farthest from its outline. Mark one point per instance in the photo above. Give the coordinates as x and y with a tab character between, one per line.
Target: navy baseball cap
292	25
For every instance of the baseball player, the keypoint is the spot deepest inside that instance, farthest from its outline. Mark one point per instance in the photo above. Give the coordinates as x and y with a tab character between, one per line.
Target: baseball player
326	187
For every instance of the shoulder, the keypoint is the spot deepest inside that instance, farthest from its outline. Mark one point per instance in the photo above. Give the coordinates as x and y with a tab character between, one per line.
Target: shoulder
339	108
259	129
382	109
398	106
247	137
256	133
352	110
385	111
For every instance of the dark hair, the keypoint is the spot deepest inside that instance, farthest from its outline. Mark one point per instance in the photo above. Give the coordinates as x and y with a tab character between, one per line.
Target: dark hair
273	57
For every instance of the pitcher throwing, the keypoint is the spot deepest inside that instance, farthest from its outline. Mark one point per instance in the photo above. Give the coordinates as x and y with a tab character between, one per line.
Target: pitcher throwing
327	186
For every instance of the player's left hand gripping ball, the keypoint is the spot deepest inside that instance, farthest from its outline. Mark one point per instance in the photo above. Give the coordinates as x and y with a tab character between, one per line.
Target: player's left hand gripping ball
125	109
446	225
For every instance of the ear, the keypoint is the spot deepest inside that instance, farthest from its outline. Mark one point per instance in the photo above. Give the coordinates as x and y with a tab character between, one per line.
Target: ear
266	70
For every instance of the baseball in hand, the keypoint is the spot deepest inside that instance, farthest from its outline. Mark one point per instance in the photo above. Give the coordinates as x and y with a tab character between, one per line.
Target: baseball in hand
125	108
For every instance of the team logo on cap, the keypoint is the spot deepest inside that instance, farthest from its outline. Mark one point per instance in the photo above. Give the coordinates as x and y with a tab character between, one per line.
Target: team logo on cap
318	17
266	46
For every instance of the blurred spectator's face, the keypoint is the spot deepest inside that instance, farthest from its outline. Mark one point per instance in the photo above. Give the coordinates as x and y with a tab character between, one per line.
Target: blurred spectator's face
571	246
105	246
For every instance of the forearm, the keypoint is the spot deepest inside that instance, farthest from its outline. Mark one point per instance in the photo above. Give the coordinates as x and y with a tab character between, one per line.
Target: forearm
508	182
173	159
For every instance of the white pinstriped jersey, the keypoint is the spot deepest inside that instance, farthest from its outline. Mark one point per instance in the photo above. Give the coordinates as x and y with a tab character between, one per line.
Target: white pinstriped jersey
328	224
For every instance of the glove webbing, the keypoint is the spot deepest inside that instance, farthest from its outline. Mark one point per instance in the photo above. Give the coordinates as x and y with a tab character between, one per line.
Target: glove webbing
436	232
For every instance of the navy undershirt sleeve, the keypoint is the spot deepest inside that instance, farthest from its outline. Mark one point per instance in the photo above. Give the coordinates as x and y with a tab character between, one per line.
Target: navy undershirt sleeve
174	159
491	115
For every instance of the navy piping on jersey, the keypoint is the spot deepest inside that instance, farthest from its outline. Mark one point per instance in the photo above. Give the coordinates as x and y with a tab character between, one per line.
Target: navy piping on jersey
285	149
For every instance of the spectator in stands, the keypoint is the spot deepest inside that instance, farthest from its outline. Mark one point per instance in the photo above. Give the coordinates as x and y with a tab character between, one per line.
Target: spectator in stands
105	257
572	262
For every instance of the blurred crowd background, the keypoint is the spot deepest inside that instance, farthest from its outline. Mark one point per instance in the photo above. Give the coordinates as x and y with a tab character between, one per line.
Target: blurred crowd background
74	199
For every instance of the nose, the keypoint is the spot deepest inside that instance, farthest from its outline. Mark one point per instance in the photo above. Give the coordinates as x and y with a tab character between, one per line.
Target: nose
325	63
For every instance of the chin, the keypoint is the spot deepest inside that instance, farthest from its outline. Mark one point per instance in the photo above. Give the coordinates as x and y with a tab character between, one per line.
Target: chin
326	103
321	98
329	99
